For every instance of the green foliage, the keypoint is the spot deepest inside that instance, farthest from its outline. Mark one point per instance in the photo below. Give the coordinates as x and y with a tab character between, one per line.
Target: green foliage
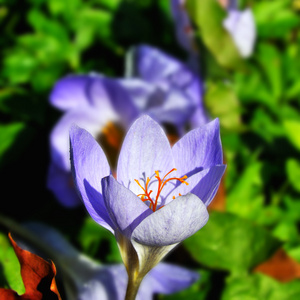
281	19
293	172
258	286
208	17
228	242
10	276
292	128
245	198
221	101
257	101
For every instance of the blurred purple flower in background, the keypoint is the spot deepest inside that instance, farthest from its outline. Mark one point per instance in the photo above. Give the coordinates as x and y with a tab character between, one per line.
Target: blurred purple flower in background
159	85
85	279
161	193
240	25
165	88
183	27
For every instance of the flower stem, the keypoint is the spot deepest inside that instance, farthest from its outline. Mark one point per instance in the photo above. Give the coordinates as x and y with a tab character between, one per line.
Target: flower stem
132	288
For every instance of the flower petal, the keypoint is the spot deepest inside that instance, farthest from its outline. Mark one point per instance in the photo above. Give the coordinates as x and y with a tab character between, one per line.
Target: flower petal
154	65
125	209
232	4
241	26
173	223
167	278
71	91
203	184
85	117
183	25
175	109
145	150
60	182
199	149
139	90
89	166
208	186
116	97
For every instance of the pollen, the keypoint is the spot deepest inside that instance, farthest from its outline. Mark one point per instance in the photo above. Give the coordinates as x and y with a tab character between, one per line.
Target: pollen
146	195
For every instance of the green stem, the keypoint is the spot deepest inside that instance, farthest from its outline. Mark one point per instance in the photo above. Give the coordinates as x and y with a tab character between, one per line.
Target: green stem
132	288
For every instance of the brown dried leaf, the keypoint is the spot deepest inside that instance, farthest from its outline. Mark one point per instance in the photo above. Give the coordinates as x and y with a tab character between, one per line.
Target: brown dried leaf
280	266
38	277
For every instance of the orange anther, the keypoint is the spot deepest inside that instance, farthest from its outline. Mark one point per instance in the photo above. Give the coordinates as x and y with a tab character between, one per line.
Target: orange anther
161	183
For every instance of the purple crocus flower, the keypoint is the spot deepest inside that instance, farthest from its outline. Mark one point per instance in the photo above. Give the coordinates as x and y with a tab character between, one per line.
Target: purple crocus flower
165	88
240	24
160	86
85	279
160	195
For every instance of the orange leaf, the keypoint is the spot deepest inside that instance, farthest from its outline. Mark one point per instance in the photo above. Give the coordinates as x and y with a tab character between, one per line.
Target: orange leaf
280	266
38	277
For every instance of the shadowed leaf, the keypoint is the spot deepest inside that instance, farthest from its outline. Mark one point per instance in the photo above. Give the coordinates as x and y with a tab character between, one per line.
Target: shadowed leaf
38	277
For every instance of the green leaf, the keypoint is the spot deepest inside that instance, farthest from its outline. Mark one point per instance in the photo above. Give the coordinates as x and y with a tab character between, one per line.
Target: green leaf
294	252
292	128
292	207
208	16
291	69
269	59
95	240
258	287
221	101
47	26
99	20
246	198
286	231
19	66
265	126
10	276
251	86
228	242
112	5
57	7
274	19
293	173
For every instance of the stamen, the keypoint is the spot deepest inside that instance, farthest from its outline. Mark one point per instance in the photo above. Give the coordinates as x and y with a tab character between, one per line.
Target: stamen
161	183
139	184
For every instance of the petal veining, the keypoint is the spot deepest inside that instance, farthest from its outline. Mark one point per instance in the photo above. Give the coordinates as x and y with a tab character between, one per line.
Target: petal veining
199	149
89	166
173	223
125	209
145	150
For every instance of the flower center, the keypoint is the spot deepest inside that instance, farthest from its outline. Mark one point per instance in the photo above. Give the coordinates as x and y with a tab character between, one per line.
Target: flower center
110	139
146	196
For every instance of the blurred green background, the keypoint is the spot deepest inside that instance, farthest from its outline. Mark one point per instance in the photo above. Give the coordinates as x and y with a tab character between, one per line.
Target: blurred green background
257	101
